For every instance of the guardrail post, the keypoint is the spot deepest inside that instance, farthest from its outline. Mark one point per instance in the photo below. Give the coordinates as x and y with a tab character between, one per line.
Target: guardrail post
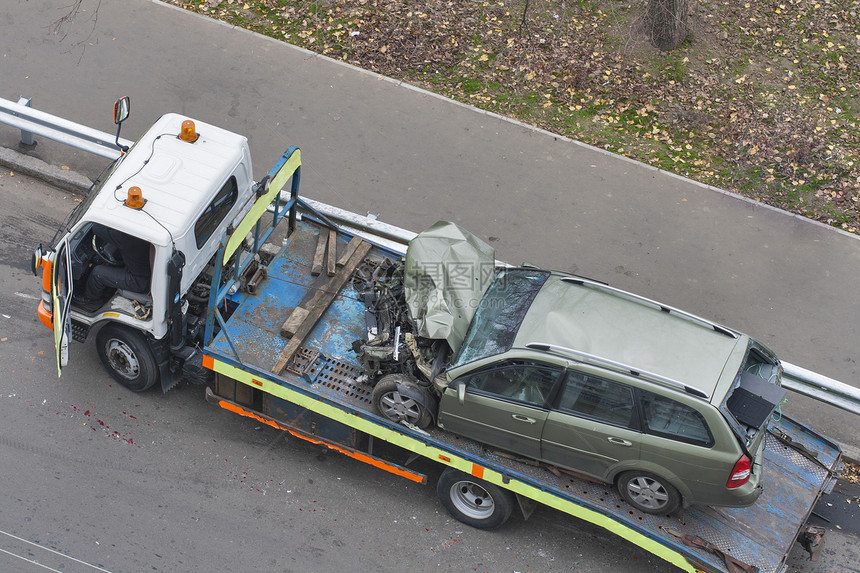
26	136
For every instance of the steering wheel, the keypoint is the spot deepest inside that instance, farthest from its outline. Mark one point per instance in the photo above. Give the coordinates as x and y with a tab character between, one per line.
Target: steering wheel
106	252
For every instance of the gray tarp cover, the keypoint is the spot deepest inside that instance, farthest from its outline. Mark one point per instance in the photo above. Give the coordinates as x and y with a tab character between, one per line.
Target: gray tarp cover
448	269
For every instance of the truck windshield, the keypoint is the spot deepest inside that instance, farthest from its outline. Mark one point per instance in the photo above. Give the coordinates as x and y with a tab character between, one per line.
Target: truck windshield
500	313
81	208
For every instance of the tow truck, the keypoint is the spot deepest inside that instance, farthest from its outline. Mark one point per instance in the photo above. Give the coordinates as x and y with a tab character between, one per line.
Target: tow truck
257	294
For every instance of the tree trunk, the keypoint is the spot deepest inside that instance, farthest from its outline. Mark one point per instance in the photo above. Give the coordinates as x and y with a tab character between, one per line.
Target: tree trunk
666	22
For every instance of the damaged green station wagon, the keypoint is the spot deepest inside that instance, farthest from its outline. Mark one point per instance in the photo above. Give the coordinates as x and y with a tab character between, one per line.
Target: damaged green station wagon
668	407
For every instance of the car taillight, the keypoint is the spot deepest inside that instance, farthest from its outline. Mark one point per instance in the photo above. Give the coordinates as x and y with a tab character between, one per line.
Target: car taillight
740	473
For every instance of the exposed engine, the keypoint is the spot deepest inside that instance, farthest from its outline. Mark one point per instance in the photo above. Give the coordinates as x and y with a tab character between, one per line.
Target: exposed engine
392	345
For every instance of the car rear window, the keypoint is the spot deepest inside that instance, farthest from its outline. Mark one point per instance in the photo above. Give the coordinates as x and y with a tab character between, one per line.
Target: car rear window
670	419
598	399
500	313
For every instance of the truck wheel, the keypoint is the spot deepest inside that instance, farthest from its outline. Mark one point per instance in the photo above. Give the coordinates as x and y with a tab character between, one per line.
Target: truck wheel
648	493
396	397
127	356
474	501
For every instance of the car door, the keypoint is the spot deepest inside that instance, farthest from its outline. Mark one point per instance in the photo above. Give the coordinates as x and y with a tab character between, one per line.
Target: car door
593	426
61	294
678	438
503	406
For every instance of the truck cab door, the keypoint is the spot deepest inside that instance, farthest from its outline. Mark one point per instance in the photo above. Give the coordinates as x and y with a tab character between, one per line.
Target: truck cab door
61	293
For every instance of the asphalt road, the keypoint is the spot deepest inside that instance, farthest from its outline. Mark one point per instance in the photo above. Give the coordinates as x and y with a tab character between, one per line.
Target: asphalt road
124	482
102	479
369	144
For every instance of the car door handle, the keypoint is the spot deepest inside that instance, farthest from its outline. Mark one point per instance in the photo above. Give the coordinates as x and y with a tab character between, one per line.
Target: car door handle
619	441
525	419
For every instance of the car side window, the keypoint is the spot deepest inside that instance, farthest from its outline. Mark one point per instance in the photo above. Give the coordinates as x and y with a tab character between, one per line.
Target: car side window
526	383
670	419
215	212
598	399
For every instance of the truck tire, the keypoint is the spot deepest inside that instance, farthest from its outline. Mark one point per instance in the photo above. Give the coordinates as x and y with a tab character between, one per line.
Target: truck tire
396	398
473	501
648	493
128	357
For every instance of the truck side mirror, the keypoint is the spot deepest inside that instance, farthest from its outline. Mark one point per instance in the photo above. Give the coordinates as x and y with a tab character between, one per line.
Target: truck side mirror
36	260
121	109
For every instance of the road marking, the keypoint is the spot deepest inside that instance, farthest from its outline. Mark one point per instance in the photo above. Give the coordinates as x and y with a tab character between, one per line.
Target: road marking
29	561
48	549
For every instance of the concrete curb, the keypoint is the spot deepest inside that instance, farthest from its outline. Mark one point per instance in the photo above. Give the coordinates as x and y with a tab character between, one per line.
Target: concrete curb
64	179
850	454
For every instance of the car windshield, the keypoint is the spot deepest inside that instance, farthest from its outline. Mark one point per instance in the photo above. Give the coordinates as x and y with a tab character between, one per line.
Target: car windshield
500	313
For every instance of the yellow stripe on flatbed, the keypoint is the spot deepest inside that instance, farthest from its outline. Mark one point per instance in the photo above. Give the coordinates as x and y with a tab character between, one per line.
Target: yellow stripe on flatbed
450	459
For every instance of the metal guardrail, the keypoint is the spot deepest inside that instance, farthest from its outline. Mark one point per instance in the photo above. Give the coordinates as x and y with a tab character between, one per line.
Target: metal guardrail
34	122
821	388
31	121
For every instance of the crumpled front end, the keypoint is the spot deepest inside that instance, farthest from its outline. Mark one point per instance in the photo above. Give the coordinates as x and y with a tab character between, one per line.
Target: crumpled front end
448	270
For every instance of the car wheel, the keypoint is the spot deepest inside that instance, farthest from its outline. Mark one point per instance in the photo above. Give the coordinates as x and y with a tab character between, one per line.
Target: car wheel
648	493
474	501
396	397
127	356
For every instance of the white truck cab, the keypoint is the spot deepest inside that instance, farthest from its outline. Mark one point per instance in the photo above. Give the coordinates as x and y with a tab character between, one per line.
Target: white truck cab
179	188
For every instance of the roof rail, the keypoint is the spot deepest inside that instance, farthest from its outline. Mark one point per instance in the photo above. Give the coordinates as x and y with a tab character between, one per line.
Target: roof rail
616	366
658	305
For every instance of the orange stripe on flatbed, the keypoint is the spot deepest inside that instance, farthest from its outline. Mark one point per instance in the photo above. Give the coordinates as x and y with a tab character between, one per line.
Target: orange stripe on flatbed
352	454
478	471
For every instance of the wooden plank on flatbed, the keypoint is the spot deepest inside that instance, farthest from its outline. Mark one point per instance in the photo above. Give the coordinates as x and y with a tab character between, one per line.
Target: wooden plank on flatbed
321	301
293	322
319	255
332	252
350	249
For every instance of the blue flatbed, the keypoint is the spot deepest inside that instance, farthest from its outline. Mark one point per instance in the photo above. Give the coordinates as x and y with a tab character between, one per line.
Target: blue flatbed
323	381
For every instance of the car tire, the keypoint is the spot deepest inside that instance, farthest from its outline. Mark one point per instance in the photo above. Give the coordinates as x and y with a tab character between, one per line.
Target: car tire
473	501
649	493
397	405
127	356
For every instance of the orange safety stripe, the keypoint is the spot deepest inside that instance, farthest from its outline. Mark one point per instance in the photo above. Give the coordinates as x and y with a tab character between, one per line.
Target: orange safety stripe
47	269
478	471
208	362
45	317
418	478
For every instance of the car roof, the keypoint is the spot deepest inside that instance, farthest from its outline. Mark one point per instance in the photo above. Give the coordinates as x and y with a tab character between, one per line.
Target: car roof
593	319
173	176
